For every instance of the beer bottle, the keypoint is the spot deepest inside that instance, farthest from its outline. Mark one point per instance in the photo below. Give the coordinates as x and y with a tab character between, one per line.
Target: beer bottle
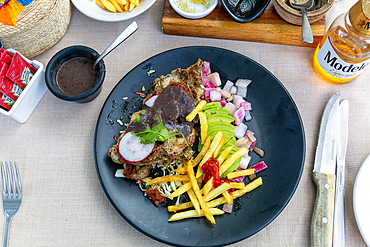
344	51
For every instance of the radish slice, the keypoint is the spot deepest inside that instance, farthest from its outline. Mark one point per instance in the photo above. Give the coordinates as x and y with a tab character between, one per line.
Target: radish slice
206	70
239	115
132	150
259	167
151	100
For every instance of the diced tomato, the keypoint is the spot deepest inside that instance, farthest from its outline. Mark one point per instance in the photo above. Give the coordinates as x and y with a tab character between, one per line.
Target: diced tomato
155	195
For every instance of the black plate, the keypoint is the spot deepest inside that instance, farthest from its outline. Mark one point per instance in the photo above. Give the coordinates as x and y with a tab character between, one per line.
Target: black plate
277	126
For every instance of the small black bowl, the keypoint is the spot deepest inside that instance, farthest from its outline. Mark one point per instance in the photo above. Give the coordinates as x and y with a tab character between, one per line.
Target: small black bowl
242	11
63	56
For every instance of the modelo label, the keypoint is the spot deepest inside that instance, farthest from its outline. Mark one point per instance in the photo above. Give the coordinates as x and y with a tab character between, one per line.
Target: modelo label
331	63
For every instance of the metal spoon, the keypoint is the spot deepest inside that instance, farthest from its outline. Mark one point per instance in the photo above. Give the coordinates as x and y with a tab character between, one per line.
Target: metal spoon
122	37
304	5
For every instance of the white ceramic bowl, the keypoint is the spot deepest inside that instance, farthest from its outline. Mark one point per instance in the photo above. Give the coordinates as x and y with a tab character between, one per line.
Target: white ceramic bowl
201	10
30	96
90	9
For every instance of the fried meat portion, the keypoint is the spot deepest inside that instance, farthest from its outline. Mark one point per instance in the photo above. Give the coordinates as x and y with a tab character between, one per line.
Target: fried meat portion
170	108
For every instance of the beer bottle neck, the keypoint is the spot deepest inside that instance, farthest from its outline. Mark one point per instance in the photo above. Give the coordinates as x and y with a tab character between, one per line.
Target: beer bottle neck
359	16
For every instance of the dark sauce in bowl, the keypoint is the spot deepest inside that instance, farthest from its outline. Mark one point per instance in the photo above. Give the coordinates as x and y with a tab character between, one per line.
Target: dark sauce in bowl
76	76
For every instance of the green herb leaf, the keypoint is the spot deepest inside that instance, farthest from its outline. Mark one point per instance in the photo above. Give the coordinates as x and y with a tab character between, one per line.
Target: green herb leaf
156	133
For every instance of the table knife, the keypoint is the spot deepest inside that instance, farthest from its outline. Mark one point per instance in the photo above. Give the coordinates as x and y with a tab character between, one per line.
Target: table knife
339	215
324	175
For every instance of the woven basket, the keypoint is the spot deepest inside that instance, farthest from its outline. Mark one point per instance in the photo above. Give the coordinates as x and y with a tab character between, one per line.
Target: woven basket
40	26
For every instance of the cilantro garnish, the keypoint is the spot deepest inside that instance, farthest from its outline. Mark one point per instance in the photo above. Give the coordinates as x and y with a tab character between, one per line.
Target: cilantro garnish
156	133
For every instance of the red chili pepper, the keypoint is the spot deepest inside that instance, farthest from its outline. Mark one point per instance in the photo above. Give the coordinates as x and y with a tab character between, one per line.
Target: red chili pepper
141	94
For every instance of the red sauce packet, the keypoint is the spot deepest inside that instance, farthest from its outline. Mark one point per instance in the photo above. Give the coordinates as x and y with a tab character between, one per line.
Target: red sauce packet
20	72
8	87
6	102
6	57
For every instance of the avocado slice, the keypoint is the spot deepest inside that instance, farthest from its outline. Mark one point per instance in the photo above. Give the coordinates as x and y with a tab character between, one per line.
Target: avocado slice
216	110
228	133
220	126
220	118
211	105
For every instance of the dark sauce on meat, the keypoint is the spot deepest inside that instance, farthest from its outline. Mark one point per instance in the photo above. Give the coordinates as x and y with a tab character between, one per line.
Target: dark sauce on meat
76	76
171	107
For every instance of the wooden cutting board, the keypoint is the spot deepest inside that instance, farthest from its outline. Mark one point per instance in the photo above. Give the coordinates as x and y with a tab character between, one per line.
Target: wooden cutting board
268	28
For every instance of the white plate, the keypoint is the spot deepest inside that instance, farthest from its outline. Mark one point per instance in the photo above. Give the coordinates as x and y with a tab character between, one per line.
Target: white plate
361	200
90	9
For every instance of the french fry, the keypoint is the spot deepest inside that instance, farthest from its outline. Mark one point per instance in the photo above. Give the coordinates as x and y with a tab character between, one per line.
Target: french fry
194	213
241	173
168	178
183	169
126	6
217	191
99	3
181	190
203	127
135	2
179	207
224	154
216	202
234	185
116	5
122	2
217	150
232	159
209	152
108	5
202	152
186	205
132	6
201	200
249	187
194	200
207	187
228	197
195	111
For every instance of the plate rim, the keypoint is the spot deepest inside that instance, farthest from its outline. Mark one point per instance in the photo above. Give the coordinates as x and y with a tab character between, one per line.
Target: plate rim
365	165
267	71
115	16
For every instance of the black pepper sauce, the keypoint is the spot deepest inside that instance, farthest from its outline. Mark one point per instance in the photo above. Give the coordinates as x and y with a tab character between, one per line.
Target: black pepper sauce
171	107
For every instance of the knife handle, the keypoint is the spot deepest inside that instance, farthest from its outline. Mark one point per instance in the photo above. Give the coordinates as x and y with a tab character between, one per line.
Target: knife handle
322	217
339	210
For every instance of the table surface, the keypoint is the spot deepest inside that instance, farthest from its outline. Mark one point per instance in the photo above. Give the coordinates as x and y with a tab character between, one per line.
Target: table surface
64	203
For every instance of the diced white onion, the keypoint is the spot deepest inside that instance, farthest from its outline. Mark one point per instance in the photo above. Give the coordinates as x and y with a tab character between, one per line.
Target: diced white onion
244	161
119	173
247	115
240	130
242	83
215	79
225	94
215	95
242	92
228	85
233	90
237	100
230	107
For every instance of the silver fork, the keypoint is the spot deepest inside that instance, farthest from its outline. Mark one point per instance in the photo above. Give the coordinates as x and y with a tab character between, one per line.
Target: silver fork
12	194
